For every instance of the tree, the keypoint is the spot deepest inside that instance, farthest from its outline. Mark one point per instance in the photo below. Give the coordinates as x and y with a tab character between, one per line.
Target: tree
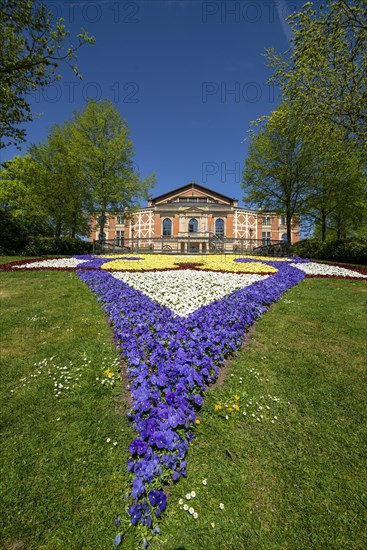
32	48
337	196
57	182
324	74
277	170
21	212
103	150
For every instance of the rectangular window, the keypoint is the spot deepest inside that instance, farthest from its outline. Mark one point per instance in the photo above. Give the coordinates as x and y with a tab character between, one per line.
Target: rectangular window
266	220
266	237
283	220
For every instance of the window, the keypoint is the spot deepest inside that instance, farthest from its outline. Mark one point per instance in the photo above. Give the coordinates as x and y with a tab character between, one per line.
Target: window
266	238
167	227
120	220
193	225
283	220
266	220
284	237
219	227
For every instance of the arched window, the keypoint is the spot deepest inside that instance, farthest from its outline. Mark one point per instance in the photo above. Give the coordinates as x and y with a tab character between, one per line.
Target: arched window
284	237
219	227
193	225
167	227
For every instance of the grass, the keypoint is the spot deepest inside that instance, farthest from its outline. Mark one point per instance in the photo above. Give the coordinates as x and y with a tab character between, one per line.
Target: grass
298	482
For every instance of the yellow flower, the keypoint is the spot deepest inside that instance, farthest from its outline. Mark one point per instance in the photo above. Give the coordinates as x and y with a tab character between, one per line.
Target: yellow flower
197	421
109	373
236	397
218	407
214	262
230	410
236	407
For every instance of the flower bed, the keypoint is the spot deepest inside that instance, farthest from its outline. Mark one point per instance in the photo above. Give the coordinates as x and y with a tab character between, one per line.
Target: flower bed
156	262
171	361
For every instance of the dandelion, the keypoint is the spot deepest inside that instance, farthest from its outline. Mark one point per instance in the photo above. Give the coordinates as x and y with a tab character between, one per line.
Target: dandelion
193	494
230	410
236	397
236	407
218	407
221	506
197	421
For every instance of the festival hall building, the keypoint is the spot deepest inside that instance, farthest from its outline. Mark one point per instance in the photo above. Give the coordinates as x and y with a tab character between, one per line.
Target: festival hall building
194	219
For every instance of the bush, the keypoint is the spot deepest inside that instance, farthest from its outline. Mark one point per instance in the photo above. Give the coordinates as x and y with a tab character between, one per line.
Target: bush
352	251
40	246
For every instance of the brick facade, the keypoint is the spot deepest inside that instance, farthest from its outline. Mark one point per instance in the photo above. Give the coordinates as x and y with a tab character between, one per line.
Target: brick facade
194	211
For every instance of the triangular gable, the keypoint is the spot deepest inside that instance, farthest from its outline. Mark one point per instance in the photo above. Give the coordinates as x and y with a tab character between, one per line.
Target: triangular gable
192	190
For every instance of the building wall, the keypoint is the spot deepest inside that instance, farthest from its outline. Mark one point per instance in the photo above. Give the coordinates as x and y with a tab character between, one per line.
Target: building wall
206	207
239	224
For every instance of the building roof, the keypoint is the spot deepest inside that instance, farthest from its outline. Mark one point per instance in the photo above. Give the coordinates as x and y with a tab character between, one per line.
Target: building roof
195	186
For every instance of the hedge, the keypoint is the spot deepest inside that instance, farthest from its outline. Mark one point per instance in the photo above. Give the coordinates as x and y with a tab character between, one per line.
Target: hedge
352	251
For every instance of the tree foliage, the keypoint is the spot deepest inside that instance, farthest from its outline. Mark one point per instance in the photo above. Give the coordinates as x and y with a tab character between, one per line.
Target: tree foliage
84	169
324	74
104	152
33	45
277	171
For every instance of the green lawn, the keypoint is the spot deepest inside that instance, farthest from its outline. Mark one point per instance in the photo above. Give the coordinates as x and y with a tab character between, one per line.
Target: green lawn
297	481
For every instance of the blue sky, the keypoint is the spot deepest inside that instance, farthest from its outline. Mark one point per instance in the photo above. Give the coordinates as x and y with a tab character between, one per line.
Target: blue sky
187	75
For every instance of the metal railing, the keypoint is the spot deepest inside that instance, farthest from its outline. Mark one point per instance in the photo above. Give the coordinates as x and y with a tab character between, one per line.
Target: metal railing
192	243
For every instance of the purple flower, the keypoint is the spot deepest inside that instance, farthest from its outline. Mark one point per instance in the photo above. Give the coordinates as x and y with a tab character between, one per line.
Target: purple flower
138	488
139	447
171	361
135	513
157	498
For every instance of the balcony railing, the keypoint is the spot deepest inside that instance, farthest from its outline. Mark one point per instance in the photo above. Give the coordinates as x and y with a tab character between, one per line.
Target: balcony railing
192	243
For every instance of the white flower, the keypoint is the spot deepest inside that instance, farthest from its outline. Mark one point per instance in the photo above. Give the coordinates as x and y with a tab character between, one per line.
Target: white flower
313	268
221	506
115	443
191	510
185	507
196	515
108	440
212	524
188	496
185	291
226	417
193	494
181	501
61	262
204	482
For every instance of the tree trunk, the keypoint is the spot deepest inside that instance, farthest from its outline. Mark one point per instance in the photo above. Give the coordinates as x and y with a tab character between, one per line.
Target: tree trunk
323	225
289	229
102	223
